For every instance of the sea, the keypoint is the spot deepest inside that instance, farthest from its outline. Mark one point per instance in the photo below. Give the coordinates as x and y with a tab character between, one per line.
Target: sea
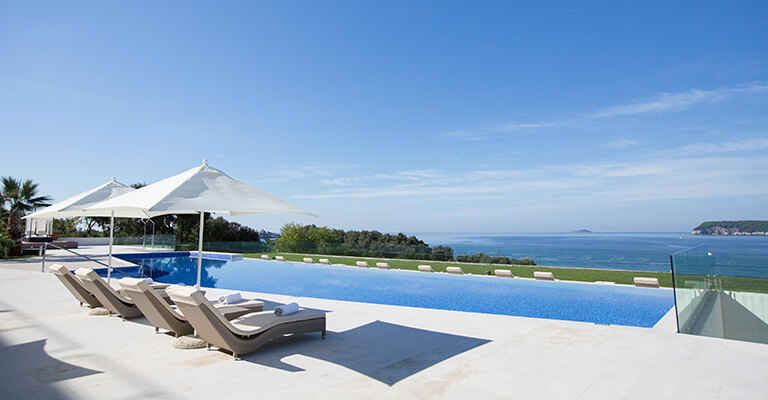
644	251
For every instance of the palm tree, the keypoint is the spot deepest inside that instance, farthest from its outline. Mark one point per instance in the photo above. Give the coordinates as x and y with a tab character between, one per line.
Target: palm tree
17	199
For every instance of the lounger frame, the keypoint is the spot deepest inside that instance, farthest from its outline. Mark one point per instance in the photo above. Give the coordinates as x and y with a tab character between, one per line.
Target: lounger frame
75	286
218	332
113	301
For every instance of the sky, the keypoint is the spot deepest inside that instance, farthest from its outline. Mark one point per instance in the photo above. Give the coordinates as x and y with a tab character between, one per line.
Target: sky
413	116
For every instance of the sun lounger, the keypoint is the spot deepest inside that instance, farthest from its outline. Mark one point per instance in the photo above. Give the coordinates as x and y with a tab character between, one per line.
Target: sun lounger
543	276
279	258
454	270
111	299
426	268
75	286
247	333
362	264
309	260
163	316
325	261
265	257
605	283
383	266
646	282
503	273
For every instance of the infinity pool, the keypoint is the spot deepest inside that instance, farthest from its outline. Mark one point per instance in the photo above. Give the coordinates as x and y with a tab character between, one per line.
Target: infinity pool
601	304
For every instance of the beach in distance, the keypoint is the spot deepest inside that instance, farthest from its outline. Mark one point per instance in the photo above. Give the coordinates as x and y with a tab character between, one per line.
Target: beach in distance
637	251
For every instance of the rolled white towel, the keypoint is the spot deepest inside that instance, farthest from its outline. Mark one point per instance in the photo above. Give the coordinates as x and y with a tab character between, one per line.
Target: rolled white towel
286	309
149	280
230	298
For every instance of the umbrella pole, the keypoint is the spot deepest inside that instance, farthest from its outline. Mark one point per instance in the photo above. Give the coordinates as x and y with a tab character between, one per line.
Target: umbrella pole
111	237
200	250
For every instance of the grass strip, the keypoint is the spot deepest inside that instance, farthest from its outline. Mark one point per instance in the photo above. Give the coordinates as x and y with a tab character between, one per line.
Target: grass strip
525	271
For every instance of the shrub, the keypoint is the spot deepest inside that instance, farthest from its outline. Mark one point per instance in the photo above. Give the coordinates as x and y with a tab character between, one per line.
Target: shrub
6	244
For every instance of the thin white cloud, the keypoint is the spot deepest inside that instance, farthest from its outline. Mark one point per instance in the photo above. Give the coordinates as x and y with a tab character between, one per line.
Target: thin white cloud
302	171
468	136
658	104
674	102
741	145
621	143
522	126
664	178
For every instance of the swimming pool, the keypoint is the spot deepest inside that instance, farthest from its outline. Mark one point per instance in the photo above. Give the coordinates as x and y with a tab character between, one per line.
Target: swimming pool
600	304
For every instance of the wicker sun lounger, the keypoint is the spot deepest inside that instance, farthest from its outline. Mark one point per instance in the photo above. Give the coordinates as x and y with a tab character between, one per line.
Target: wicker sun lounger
325	261
111	299
163	316
454	270
362	264
383	265
75	286
247	333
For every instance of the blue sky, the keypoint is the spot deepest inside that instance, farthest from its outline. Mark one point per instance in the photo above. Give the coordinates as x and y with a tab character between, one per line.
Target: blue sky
403	116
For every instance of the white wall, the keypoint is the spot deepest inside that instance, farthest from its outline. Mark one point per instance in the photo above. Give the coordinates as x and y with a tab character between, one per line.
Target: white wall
91	241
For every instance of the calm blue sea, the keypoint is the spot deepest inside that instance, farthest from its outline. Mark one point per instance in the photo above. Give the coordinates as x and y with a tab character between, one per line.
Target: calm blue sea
630	251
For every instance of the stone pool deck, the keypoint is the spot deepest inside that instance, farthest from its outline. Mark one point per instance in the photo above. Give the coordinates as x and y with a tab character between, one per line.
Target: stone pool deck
52	348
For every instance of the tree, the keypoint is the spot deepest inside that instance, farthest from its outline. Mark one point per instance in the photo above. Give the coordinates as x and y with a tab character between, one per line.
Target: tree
18	199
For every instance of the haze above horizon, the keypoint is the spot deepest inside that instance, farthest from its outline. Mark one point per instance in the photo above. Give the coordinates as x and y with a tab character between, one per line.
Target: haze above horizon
403	116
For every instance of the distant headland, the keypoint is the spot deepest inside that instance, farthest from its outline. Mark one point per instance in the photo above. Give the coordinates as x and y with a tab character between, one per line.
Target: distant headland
581	231
735	228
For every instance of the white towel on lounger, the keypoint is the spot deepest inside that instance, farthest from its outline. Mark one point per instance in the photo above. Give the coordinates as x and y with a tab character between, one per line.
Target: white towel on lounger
286	309
230	298
149	281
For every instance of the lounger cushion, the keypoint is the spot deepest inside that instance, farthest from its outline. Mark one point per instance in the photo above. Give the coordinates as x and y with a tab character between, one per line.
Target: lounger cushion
260	321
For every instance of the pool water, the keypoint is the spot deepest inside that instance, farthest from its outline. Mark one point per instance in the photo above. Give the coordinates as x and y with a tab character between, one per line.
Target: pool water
600	304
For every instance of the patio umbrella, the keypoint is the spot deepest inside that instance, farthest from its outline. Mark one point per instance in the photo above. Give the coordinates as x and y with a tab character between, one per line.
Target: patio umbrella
197	191
75	207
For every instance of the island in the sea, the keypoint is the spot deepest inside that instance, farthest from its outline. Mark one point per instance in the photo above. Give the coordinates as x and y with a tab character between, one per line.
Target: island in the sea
737	228
581	231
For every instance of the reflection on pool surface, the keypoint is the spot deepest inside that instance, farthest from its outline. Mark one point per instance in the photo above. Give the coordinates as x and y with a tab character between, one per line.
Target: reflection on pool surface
601	304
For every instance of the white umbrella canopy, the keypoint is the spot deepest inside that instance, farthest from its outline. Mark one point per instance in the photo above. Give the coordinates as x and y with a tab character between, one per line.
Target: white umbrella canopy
75	206
197	191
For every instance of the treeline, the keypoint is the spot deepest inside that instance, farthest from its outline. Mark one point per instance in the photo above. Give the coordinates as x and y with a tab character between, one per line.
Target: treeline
184	227
311	239
748	226
483	258
297	238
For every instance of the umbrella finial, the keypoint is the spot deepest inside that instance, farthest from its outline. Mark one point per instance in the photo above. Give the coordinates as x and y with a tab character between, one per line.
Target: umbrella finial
205	162
114	179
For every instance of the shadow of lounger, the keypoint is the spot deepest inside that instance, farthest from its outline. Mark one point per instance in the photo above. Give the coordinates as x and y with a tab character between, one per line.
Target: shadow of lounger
370	350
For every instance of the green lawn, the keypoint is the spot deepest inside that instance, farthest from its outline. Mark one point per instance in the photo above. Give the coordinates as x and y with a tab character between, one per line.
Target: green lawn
566	274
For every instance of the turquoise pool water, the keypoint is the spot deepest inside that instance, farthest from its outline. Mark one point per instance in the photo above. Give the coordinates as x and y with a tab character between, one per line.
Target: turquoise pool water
619	305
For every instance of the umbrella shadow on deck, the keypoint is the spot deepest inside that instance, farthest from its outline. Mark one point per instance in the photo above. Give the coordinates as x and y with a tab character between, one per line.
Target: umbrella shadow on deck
380	350
29	372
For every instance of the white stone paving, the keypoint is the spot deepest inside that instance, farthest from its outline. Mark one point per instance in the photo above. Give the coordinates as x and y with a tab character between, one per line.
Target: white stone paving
51	348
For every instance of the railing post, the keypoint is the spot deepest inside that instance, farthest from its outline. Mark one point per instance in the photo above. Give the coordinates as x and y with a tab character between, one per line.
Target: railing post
42	250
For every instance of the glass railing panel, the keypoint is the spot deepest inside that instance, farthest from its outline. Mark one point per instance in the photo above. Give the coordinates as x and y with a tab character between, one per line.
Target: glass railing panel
721	295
